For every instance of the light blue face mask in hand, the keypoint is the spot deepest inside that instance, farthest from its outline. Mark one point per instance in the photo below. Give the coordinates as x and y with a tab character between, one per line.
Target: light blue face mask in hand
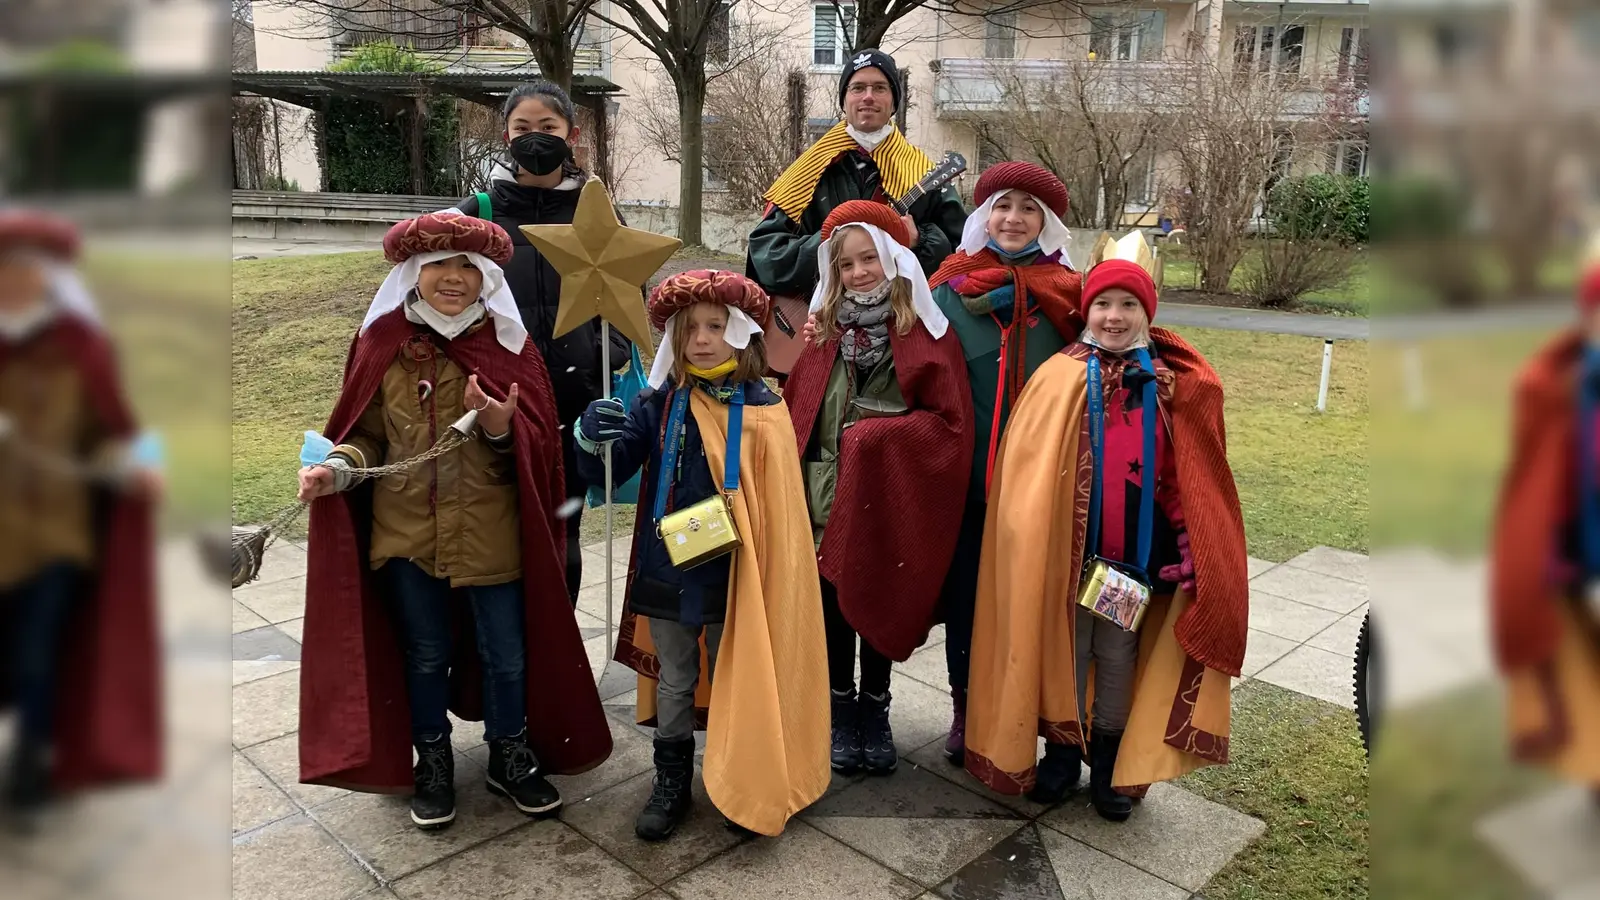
315	449
148	451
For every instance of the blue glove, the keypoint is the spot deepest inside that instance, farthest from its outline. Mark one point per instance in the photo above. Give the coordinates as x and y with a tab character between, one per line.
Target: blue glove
602	422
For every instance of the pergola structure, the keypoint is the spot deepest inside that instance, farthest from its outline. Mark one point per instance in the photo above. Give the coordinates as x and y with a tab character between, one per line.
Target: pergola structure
404	91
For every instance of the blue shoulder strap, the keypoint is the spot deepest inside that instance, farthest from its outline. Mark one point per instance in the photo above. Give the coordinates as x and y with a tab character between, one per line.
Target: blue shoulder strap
678	407
1147	491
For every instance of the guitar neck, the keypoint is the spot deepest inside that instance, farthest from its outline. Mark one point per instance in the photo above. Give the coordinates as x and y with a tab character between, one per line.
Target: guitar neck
904	204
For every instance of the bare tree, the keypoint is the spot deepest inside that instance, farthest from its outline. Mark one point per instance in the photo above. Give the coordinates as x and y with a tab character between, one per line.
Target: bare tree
1088	122
749	136
1232	141
680	34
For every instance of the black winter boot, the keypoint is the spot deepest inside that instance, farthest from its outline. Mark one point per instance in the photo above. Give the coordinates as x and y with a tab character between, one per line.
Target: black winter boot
1108	803
27	787
670	798
847	755
877	740
1058	773
955	743
514	774
433	805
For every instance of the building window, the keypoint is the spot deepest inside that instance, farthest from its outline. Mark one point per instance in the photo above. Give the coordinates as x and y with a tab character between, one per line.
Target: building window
990	153
1138	34
833	33
1347	158
1267	49
1000	35
1139	176
1353	54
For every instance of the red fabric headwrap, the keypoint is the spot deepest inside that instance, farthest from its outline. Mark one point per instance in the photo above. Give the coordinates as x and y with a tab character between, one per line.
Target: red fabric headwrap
39	231
866	212
1120	273
685	289
448	230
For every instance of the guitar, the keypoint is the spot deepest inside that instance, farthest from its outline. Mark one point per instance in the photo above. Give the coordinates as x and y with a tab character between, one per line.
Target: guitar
789	312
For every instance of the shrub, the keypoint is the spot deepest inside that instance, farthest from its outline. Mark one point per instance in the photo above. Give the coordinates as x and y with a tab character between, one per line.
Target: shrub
1286	270
1321	208
368	143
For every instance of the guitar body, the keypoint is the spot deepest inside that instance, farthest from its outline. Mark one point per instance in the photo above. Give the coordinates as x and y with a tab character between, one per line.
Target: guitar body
786	338
784	344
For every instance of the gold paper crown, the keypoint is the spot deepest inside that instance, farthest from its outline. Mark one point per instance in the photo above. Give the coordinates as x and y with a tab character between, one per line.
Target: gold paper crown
1132	247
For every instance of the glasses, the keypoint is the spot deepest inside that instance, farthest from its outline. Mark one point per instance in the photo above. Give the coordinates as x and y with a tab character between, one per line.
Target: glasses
859	89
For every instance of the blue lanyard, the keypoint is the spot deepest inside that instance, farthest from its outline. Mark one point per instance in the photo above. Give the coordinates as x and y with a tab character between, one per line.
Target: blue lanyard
1589	496
678	410
1097	446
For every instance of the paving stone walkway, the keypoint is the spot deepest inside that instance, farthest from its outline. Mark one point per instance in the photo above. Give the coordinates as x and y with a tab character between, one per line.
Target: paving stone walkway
926	831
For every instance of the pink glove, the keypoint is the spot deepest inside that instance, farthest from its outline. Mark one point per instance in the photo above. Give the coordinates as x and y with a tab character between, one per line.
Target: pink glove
1181	573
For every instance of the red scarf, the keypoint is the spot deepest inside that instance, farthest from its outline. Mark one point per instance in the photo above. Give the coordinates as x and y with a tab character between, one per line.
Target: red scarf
1045	285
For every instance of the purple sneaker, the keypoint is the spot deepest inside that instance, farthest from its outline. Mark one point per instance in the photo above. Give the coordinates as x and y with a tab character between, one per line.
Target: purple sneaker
955	746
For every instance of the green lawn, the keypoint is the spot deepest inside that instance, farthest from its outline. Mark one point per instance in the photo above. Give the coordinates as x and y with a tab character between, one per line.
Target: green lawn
168	317
1296	763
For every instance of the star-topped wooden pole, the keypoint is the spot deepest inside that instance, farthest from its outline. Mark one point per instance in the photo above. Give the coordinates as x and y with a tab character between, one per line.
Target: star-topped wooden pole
603	266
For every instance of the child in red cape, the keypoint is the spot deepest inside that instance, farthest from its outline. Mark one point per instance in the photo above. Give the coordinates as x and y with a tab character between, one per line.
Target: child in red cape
883	416
1160	687
1545	573
442	587
78	630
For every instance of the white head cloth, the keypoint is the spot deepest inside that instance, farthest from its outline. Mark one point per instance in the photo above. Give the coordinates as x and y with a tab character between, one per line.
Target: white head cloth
1054	237
66	290
738	333
898	261
496	295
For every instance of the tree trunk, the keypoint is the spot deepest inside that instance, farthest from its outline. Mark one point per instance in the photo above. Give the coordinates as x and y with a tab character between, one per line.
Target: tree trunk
691	115
555	57
415	134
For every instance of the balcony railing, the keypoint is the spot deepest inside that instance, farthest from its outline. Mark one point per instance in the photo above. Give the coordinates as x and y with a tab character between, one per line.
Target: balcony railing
501	60
989	85
978	86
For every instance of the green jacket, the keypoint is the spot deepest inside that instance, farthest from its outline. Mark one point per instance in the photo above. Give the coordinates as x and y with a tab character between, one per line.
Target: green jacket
782	255
980	344
820	465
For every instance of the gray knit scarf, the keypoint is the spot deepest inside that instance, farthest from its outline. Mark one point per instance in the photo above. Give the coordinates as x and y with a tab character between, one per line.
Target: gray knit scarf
864	323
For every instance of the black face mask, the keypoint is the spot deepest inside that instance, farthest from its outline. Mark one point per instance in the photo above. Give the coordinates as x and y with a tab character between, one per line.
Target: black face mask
539	152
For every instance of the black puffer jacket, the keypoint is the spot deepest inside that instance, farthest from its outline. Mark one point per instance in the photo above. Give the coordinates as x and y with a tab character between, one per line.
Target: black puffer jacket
574	358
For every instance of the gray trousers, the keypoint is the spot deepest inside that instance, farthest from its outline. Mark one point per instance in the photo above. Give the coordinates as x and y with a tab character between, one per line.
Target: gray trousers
1115	654
678	651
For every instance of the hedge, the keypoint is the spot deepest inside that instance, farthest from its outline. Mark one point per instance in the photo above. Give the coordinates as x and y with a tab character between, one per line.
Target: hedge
1321	207
368	145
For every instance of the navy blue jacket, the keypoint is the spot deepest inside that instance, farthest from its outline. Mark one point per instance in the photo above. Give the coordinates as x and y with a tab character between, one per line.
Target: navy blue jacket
661	590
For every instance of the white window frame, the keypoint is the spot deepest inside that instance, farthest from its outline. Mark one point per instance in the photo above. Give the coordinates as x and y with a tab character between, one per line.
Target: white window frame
1000	28
1267	38
1147	201
843	34
1340	152
1125	34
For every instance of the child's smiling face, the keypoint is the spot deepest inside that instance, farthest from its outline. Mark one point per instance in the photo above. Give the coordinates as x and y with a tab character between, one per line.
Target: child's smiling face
450	285
1117	319
1015	221
860	269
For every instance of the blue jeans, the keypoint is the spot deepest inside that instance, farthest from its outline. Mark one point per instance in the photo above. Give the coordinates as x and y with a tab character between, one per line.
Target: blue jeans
41	609
422	609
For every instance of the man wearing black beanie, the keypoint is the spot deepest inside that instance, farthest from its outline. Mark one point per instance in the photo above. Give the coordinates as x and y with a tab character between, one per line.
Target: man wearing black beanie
864	157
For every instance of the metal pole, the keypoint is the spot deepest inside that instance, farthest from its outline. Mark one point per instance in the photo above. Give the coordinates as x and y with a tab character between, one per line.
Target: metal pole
1327	369
605	379
1415	392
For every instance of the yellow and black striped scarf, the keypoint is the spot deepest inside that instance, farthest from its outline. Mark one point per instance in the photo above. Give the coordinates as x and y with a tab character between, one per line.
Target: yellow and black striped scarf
900	166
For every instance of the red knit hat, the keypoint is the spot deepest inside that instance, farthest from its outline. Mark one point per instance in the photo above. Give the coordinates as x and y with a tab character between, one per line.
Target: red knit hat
1589	289
1022	176
866	212
34	230
448	230
1120	273
685	289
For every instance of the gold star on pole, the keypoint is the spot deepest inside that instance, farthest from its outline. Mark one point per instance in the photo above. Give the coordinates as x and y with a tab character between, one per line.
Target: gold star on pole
603	265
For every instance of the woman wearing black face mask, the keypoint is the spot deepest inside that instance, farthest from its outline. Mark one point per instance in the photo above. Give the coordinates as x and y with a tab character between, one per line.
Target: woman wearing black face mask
537	184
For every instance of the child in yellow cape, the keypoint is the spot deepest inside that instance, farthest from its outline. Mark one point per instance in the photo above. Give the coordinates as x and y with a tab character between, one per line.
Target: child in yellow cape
1144	703
752	618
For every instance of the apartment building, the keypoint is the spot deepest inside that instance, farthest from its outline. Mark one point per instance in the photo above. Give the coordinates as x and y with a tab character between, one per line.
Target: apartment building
963	72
